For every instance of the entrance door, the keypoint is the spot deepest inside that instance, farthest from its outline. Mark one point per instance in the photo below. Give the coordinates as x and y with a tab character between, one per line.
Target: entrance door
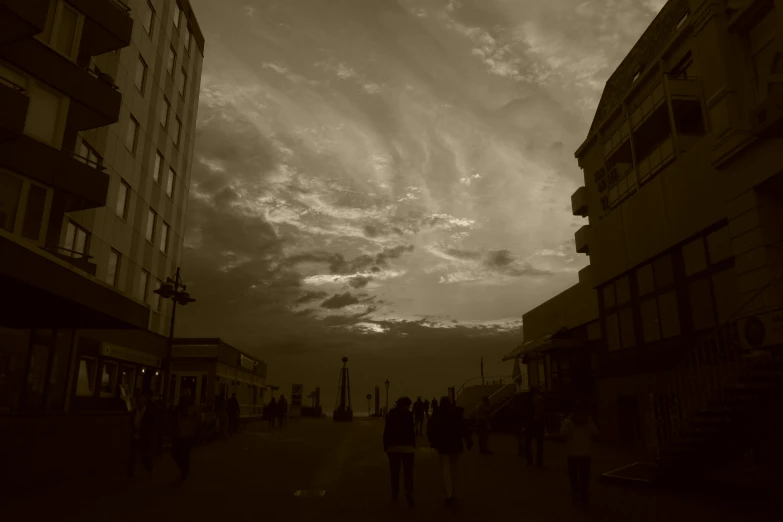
188	383
628	416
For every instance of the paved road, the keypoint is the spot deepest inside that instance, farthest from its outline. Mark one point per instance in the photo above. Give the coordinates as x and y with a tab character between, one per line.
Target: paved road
254	476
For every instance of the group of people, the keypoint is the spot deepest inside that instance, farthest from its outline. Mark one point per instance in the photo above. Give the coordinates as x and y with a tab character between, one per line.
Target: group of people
277	410
449	433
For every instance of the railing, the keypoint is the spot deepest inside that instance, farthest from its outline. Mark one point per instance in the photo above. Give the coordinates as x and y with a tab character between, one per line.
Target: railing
67	251
710	367
119	4
104	77
503	378
9	83
96	164
660	156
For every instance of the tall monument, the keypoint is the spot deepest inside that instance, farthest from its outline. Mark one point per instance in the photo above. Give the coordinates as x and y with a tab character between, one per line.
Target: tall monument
343	411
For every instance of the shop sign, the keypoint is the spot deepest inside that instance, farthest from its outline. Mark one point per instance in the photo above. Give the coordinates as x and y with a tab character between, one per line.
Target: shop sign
130	355
762	330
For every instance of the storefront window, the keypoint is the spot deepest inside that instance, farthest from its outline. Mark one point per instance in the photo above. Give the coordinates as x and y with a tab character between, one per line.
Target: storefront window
85	383
626	328
670	315
623	290
644	279
36	374
664	273
108	379
702	310
14	345
650	323
58	374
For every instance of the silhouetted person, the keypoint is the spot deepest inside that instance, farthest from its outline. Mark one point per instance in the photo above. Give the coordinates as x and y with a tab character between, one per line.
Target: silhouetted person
186	422
399	442
271	411
446	431
426	409
221	415
535	426
434	404
232	410
483	426
578	432
142	426
282	410
418	416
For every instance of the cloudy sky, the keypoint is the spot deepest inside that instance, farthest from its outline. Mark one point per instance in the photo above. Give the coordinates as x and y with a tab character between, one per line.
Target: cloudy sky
390	180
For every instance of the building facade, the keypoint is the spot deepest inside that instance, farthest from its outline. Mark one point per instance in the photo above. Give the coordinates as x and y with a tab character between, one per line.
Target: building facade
83	88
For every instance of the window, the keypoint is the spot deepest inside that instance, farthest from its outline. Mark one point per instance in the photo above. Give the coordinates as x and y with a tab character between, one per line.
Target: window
175	14
609	301
681	22
188	40
132	137
141	75
664	273
148	19
163	113
34	213
63	29
626	327
636	76
10	195
719	245
762	49
164	238
156	168
170	183
172	61
76	240
612	333
183	80
43	114
670	317
623	290
702	311
123	196
152	218
651	327
144	282
87	155
177	131
695	256
108	379
85	382
727	300
113	272
644	279
155	298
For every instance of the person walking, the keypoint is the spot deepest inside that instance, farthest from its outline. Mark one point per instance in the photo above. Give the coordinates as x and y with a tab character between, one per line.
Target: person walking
221	416
578	432
141	434
483	426
186	422
434	404
535	426
418	415
399	443
427	409
446	431
282	410
271	412
232	410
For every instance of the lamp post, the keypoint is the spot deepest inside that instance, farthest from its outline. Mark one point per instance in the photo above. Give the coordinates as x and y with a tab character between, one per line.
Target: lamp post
387	396
172	289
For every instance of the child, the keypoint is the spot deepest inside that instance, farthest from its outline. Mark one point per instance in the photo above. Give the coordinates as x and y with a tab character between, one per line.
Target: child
578	432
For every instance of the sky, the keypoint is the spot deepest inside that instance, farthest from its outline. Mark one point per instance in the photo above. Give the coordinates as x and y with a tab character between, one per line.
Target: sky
390	180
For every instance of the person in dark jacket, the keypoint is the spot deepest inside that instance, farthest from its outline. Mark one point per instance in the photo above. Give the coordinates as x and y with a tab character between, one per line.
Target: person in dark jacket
427	409
271	412
434	404
535	426
399	443
282	410
186	423
446	431
418	416
232	410
142	426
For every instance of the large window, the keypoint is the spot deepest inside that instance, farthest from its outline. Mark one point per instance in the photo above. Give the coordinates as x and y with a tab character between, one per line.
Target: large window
164	238
183	81
172	61
188	40
85	380
24	207
152	219
132	135
43	114
88	155
76	240
141	75
163	113
710	292
123	199
763	50
113	269
34	213
148	18
144	283
10	196
155	298
63	29
176	14
108	384
157	166
171	183
177	131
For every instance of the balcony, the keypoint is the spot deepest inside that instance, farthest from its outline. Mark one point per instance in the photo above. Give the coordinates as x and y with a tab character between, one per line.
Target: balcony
582	237
768	116
20	19
622	183
579	202
660	156
653	100
682	87
14	104
107	25
95	100
86	184
77	259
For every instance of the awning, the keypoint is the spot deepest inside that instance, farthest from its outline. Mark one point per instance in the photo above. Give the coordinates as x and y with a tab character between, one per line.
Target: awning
542	344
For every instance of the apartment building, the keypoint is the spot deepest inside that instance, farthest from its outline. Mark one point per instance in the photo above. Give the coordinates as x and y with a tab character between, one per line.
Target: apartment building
99	100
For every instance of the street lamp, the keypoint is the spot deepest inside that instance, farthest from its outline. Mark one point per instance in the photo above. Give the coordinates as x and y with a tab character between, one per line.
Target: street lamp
387	395
172	289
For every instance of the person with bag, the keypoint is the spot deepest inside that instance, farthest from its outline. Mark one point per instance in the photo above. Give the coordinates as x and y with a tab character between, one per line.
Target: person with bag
446	431
578	432
399	443
187	418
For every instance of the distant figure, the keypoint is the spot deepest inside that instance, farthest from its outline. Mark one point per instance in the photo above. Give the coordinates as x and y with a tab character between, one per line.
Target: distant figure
221	415
578	432
434	404
535	425
483	426
232	410
186	421
271	412
427	408
142	426
282	410
399	441
446	431
418	415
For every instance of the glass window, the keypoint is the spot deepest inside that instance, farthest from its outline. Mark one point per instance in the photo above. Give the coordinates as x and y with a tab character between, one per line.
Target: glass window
58	373
65	33
695	256
43	111
112	274
651	327
132	136
664	274
670	315
155	298
148	19
164	238
156	168
188	40
727	301
123	193
85	382
152	217
34	213
623	290
141	74
14	346
183	80
10	193
163	113
108	379
612	332
702	310
609	301
177	131
75	240
645	281
172	61
175	14
144	281
626	328
170	183
87	154
36	373
719	245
